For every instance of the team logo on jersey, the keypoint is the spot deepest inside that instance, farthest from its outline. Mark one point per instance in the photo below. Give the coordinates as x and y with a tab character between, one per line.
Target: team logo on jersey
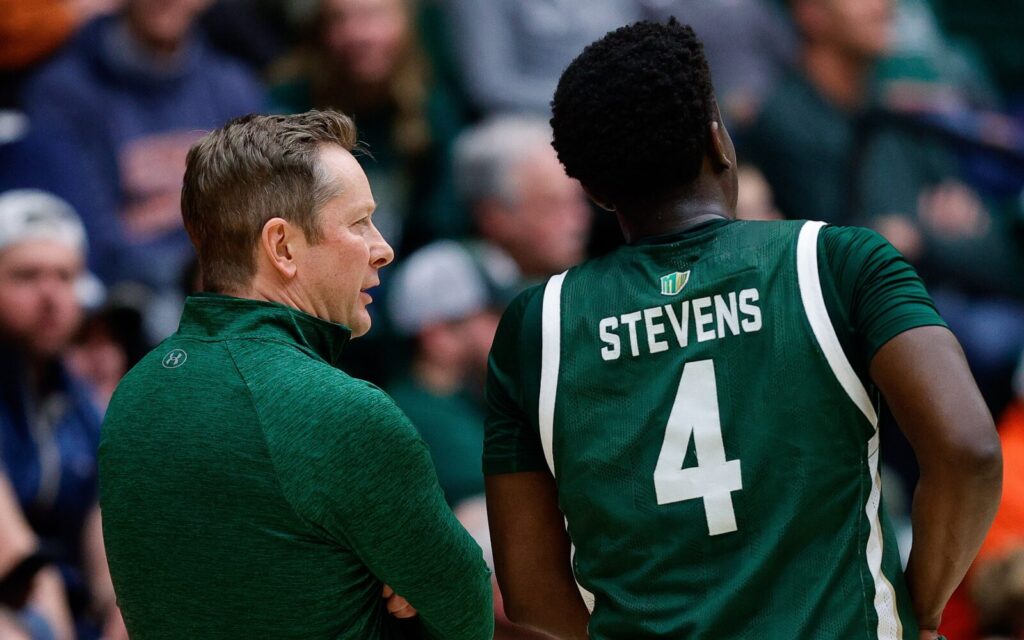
673	283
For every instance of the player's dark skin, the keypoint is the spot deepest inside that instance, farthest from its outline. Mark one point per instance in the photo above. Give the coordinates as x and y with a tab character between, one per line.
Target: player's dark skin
925	380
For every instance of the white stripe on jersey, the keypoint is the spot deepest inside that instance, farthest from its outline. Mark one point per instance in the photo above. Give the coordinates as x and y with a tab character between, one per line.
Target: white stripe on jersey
550	357
889	625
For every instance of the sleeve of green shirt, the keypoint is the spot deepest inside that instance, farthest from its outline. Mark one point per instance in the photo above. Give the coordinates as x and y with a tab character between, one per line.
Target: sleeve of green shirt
373	487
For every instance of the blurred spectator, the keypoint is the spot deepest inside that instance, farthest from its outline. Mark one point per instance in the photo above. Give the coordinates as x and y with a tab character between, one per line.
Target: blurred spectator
109	343
32	158
256	31
49	429
32	601
998	592
441	299
364	59
804	136
533	219
32	30
1007	532
755	200
512	51
128	97
830	154
749	44
995	29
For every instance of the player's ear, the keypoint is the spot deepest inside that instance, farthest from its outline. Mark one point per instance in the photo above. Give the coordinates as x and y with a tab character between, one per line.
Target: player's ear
719	146
279	242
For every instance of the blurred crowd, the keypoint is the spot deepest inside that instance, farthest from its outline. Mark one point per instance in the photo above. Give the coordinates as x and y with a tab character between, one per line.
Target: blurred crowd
906	116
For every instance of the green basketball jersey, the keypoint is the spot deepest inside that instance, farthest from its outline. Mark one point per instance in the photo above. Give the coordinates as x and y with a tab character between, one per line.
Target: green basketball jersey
715	452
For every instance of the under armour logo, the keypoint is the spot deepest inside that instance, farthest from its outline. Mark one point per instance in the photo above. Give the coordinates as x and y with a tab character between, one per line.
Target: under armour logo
174	358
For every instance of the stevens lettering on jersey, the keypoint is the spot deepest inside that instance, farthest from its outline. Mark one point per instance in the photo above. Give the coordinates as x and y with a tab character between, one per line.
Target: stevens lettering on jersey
707	318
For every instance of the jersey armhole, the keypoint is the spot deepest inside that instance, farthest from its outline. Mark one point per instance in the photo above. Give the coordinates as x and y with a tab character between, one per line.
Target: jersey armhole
821	322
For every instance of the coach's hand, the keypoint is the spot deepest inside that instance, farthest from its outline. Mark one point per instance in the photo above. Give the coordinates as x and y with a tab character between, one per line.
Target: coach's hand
399	606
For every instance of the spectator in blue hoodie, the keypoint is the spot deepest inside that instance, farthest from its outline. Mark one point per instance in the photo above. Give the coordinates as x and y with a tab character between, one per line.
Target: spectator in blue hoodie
49	428
129	95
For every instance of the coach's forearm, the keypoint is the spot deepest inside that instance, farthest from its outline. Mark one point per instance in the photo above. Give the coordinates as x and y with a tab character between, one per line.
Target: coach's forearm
952	511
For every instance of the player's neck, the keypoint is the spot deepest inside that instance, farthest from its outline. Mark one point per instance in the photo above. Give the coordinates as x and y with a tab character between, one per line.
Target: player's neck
670	218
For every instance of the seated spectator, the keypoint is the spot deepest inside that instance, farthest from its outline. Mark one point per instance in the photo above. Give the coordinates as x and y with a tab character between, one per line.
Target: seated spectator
32	601
364	59
440	298
128	97
749	44
109	343
511	52
532	218
804	134
998	592
830	154
49	429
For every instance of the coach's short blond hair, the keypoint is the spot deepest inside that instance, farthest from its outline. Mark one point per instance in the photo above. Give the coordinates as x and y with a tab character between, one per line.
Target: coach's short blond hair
251	170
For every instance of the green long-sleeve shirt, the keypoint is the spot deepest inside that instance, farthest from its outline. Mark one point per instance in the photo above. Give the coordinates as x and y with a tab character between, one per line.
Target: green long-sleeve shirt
252	490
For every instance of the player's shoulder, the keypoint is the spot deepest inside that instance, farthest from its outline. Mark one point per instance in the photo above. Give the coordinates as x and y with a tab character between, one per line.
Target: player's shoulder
525	302
847	246
838	235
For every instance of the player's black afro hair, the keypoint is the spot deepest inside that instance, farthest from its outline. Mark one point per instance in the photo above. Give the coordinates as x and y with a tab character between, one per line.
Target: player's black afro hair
631	112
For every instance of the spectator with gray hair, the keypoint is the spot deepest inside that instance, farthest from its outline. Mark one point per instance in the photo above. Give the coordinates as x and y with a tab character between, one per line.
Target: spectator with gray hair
49	429
128	96
533	219
441	299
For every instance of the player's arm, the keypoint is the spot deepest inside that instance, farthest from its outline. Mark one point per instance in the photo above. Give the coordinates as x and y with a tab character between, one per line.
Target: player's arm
925	380
531	547
532	555
920	369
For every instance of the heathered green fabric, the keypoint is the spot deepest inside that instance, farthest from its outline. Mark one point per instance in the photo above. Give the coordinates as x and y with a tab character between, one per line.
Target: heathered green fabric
252	490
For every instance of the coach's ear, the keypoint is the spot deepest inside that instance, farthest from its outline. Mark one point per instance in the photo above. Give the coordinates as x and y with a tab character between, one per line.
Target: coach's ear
279	241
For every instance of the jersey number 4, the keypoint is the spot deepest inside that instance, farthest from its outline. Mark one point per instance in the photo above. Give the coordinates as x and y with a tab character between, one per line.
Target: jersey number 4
695	413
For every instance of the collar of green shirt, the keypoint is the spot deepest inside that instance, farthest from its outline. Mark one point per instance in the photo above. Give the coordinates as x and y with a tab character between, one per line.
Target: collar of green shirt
210	316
